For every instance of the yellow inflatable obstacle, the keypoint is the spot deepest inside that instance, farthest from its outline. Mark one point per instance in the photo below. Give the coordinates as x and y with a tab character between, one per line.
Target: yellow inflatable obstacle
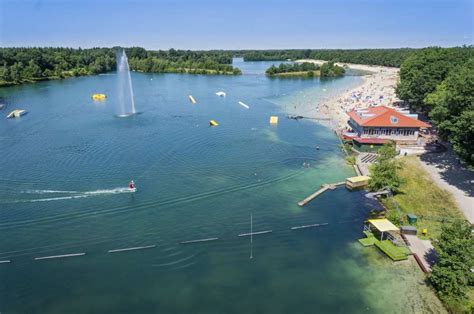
213	123
274	120
99	97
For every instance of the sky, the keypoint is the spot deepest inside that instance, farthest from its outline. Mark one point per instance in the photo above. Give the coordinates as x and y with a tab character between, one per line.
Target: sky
236	24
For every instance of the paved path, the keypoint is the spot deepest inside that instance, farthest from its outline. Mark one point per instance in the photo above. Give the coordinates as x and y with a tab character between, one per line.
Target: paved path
423	249
445	170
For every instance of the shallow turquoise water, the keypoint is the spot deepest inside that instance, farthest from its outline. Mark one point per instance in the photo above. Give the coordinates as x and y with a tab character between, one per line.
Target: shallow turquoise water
64	166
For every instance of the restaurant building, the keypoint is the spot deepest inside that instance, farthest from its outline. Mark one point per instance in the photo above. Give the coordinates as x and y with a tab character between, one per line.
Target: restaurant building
381	124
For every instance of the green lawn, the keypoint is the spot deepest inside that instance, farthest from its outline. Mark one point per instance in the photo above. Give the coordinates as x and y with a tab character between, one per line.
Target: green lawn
421	196
394	252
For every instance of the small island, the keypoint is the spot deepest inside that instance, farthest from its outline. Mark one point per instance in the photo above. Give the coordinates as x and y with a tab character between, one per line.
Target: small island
305	69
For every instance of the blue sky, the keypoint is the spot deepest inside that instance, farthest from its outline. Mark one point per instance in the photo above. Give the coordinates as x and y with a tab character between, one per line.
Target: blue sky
236	24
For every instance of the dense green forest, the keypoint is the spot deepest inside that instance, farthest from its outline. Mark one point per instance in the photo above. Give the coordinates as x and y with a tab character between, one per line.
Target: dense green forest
181	61
385	57
452	276
20	65
328	69
440	82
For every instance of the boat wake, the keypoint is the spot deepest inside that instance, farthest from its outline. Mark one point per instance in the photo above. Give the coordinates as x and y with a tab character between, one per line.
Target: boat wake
48	192
73	194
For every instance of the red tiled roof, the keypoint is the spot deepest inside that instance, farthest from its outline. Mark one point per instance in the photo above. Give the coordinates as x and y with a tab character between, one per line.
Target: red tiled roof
386	117
370	140
349	135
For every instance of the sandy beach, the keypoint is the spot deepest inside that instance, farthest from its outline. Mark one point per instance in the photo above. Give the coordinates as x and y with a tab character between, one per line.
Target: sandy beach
377	88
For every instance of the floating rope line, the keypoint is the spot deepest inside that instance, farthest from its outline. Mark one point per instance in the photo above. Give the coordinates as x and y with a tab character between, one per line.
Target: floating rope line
309	226
132	249
59	256
199	240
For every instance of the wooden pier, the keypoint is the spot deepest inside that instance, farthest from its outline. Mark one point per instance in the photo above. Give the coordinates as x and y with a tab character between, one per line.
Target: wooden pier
323	189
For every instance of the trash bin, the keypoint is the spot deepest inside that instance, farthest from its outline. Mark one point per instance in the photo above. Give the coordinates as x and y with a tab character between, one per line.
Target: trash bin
412	219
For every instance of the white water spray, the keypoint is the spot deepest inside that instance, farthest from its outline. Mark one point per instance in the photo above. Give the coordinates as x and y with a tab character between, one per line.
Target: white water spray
126	102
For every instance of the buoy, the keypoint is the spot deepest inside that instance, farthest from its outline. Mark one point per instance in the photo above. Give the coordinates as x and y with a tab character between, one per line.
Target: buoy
244	105
99	97
213	123
16	113
274	120
191	98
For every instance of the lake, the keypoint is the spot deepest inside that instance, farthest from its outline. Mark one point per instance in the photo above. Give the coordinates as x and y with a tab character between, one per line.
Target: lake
64	171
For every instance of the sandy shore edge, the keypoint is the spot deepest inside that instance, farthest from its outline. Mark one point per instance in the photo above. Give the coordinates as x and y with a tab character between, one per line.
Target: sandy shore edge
377	88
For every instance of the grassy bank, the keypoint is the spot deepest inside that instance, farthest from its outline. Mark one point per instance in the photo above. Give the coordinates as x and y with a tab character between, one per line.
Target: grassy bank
421	196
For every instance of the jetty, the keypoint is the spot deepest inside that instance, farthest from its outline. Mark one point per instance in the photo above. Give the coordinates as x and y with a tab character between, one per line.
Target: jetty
132	249
198	240
59	256
309	226
298	117
254	233
323	189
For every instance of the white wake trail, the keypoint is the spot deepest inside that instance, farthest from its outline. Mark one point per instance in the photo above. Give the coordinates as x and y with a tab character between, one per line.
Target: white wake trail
75	194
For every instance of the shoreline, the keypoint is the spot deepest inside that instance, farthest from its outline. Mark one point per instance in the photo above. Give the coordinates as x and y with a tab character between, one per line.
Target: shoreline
377	88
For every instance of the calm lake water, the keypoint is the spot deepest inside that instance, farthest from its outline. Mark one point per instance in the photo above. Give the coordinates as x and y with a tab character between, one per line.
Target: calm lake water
64	167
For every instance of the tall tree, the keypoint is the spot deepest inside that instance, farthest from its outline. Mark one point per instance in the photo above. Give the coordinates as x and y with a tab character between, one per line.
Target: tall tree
424	70
453	109
452	275
384	173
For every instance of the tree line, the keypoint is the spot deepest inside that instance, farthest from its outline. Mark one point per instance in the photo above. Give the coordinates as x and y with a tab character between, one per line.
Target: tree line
440	82
328	69
452	276
385	57
292	67
21	65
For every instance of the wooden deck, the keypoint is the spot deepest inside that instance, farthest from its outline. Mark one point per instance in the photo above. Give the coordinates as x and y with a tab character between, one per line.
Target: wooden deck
396	253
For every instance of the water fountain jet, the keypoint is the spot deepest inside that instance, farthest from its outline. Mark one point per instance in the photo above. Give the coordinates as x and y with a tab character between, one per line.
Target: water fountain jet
126	102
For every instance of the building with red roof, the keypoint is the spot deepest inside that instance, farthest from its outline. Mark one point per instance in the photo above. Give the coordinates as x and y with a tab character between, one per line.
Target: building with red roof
377	125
